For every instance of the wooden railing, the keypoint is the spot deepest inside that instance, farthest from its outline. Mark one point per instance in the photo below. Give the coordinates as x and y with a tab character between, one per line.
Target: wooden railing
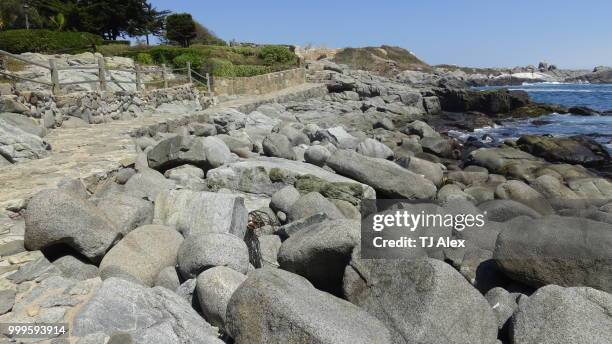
105	76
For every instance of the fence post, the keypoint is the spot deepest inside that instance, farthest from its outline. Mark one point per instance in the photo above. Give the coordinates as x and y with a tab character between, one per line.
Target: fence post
138	78
208	83
189	72
102	73
164	76
55	88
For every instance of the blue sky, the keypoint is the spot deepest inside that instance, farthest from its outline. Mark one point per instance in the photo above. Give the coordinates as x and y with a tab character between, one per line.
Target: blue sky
480	33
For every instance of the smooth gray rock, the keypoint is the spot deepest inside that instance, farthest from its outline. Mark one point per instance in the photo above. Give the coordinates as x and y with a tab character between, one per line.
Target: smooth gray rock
503	304
55	217
420	300
144	252
420	128
73	267
283	199
37	270
274	306
148	183
11	248
557	315
290	229
147	314
175	151
439	146
168	278
269	246
123	175
203	251
126	212
386	177
216	151
278	145
184	210
215	287
316	155
566	251
74	186
203	129
310	204
520	192
503	210
321	252
24	123
432	171
17	145
338	136
187	176
7	300
374	149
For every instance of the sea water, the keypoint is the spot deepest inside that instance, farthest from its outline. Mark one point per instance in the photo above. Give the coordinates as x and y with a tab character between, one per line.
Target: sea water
595	96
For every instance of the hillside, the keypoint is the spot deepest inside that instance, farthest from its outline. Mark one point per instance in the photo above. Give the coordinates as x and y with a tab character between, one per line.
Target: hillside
385	60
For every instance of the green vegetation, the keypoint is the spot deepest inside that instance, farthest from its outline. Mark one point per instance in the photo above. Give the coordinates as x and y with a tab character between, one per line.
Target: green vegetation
383	60
21	41
218	60
181	28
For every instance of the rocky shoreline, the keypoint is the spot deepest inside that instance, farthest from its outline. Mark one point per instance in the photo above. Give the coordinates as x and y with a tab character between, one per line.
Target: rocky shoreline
243	226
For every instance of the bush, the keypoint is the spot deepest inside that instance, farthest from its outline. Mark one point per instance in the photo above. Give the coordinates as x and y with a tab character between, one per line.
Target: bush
273	54
46	41
144	59
113	49
181	61
219	67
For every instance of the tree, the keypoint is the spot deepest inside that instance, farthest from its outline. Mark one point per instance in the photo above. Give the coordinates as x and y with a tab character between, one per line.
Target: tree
180	28
206	36
59	21
151	23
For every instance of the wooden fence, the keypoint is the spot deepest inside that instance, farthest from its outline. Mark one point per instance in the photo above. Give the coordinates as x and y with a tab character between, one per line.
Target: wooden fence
105	76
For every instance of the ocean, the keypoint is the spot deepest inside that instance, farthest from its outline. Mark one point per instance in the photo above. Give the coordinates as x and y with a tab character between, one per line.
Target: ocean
595	96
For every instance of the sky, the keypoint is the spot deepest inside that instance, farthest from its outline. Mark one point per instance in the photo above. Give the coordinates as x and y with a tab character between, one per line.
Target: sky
476	33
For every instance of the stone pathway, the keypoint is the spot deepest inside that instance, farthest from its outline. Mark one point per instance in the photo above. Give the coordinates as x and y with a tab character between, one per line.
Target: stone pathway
94	152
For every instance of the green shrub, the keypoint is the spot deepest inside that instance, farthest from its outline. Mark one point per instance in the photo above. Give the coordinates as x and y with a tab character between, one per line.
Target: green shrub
181	61
46	41
113	49
220	67
273	54
250	70
144	59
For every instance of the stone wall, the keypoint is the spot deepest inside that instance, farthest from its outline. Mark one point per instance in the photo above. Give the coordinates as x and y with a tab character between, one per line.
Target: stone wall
95	107
260	84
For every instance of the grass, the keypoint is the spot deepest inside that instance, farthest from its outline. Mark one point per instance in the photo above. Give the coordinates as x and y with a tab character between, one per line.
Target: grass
378	59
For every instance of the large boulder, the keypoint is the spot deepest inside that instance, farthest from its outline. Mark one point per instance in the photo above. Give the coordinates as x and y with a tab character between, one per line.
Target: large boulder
321	252
579	150
499	101
278	145
276	306
203	251
557	315
126	212
266	175
142	315
556	250
420	300
10	104
374	149
143	253
502	210
214	288
192	212
505	160
175	151
57	217
24	123
310	204
386	177
148	183
283	199
518	191
432	171
17	145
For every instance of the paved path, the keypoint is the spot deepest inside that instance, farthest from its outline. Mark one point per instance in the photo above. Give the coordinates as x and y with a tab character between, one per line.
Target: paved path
93	152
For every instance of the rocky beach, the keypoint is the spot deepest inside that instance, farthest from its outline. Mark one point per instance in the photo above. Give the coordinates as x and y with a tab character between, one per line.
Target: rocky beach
174	218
